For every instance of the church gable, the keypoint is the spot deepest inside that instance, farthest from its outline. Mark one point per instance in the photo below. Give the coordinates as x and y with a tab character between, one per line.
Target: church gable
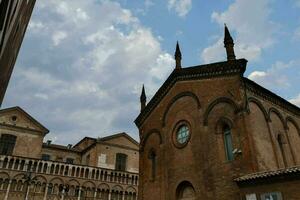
121	139
17	117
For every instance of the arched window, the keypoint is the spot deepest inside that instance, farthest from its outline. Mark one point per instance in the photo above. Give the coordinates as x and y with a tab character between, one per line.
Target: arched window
7	144
228	142
152	157
121	160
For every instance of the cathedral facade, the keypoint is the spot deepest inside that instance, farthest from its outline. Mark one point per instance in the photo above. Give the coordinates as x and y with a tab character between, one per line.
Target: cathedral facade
93	169
210	133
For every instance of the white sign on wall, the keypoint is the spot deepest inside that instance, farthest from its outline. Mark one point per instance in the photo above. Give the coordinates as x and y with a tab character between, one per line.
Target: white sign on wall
101	160
251	197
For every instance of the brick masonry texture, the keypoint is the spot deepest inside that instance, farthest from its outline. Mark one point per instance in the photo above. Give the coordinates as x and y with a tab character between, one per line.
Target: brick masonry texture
257	119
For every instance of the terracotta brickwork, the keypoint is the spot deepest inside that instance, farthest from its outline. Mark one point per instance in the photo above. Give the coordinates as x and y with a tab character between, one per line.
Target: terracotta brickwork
212	101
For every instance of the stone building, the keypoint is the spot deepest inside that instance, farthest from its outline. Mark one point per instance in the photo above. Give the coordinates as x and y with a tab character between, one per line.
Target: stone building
14	18
94	168
210	133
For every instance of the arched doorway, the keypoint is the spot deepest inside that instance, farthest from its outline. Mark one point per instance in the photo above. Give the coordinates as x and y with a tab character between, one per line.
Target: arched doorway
185	191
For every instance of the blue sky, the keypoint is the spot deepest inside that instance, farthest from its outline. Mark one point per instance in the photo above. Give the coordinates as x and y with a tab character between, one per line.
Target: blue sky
83	62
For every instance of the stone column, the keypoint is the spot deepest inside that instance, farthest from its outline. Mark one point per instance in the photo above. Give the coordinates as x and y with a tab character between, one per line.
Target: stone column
13	165
95	193
27	191
109	195
79	193
123	195
46	191
7	191
62	194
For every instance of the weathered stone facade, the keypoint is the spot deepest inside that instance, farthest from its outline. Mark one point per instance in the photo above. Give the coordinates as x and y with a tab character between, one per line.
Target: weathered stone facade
88	170
207	126
14	18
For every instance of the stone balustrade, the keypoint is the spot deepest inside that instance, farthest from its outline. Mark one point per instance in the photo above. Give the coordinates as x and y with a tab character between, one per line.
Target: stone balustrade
58	180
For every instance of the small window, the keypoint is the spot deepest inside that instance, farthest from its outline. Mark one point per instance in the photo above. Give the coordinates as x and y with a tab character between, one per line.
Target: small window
152	157
183	134
228	142
45	157
87	159
121	160
271	196
7	144
70	160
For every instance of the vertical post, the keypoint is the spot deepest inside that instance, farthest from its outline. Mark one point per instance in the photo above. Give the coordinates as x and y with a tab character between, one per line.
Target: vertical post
79	193
27	191
95	193
123	195
7	191
109	195
63	193
13	165
46	191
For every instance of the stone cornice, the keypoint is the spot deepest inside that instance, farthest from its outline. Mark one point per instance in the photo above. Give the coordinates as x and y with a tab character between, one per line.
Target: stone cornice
220	69
17	108
271	97
18	128
108	144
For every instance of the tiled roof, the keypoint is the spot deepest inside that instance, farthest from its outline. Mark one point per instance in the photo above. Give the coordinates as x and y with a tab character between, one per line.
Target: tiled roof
269	174
61	147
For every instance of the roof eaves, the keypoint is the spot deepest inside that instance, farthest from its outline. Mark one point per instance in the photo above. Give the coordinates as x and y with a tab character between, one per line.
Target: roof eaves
225	68
269	95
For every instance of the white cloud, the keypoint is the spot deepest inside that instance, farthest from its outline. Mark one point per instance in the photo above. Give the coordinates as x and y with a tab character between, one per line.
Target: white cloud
181	7
296	100
90	85
149	3
275	77
250	22
58	36
35	25
257	75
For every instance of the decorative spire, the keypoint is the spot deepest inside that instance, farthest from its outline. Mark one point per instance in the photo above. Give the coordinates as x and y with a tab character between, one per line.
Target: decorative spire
178	56
143	98
228	44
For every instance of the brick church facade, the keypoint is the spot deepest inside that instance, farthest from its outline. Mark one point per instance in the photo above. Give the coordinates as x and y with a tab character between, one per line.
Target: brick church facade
210	133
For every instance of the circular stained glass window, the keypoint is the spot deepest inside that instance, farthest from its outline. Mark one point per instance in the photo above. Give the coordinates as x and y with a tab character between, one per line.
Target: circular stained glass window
183	134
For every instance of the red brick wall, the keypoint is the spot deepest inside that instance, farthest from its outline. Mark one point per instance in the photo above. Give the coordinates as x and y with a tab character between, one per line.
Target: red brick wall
202	162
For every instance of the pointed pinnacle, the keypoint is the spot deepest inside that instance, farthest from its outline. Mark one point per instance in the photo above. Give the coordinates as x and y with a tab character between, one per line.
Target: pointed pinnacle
143	95
227	37
177	52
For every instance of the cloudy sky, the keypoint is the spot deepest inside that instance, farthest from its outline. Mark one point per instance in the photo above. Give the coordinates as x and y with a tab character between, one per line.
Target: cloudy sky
83	62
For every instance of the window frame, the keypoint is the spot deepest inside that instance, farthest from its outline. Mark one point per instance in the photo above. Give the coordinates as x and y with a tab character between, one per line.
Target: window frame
47	159
176	128
70	160
228	142
278	195
121	165
7	144
152	156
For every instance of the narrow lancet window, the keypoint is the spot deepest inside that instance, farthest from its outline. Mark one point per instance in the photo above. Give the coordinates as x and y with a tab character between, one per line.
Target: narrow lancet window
152	157
228	142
